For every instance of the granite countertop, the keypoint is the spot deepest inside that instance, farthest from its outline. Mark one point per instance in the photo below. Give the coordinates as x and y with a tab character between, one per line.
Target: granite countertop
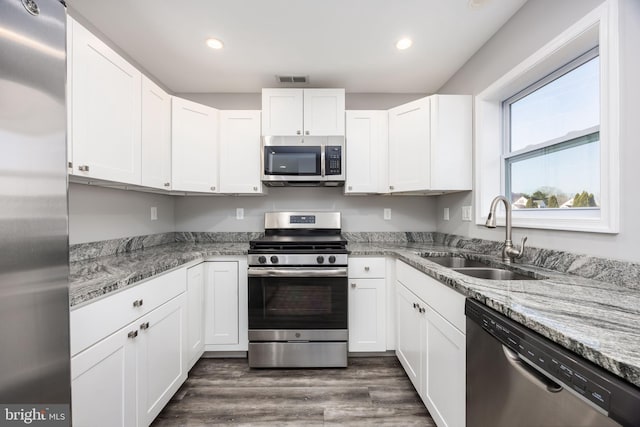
598	320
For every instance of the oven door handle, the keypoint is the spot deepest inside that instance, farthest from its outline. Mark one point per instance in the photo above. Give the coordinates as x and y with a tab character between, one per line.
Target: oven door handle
297	272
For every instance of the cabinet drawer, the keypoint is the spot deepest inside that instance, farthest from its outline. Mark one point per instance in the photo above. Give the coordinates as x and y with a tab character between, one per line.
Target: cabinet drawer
93	322
367	268
447	302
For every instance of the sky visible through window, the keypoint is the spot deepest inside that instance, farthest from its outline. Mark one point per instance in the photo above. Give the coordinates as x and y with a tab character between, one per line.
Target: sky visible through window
565	106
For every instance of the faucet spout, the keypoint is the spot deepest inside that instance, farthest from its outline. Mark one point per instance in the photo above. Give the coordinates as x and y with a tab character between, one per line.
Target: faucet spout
508	251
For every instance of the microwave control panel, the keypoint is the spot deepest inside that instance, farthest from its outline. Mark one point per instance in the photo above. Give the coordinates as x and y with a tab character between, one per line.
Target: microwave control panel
333	160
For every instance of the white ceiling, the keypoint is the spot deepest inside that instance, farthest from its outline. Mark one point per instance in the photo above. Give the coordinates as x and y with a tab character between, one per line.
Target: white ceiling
337	43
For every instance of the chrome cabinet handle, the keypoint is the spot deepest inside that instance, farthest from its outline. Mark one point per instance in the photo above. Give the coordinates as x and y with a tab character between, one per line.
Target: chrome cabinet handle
353	285
391	187
255	188
213	188
415	305
144	326
70	164
83	168
132	334
306	132
350	188
366	268
298	132
167	184
138	303
421	309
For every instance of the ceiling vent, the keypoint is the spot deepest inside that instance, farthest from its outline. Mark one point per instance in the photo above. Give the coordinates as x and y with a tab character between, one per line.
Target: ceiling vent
292	79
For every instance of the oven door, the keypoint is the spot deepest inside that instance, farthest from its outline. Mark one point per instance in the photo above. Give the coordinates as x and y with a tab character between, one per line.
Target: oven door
297	298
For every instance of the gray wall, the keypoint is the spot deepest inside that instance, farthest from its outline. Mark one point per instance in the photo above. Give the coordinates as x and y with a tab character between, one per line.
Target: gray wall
531	27
97	213
359	213
253	101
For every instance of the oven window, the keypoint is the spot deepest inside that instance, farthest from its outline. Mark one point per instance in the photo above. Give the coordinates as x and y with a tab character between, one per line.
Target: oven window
292	160
291	300
297	303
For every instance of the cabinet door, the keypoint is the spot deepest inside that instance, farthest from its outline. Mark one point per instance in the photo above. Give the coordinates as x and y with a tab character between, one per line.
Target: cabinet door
367	315
445	371
195	314
366	145
282	112
156	136
451	142
324	112
240	152
194	136
161	366
411	335
105	126
409	147
103	384
221	306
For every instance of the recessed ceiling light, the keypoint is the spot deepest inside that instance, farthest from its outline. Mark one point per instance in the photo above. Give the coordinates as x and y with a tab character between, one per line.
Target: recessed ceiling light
214	44
404	43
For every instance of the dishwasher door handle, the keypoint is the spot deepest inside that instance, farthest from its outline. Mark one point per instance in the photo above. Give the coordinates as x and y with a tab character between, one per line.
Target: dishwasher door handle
530	372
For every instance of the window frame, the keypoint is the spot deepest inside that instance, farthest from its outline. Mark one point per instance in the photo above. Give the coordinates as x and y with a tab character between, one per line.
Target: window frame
597	29
529	152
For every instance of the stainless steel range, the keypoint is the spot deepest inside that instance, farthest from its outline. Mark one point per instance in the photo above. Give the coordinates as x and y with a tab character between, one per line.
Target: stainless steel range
298	292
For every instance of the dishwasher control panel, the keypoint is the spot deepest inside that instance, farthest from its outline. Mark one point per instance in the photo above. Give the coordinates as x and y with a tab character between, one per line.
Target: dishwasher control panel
592	383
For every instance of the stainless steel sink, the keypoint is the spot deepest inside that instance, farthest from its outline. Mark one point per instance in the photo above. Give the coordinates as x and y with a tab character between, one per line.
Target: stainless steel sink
454	262
493	274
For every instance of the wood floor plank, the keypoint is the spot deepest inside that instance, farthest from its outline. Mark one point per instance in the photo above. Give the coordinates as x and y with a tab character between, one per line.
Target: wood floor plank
224	392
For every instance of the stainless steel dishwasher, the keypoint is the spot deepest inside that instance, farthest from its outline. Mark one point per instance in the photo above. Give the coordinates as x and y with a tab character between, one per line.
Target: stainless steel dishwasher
517	378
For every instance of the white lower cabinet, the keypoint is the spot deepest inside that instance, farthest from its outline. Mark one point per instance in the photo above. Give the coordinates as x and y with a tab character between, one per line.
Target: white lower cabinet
195	314
431	343
161	352
126	377
367	305
226	312
103	387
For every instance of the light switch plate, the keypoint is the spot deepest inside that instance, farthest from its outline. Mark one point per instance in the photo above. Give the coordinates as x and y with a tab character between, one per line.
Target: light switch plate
466	213
387	214
154	213
445	214
239	213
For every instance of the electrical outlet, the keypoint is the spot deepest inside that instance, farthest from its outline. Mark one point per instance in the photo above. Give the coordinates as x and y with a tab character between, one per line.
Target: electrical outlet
466	213
239	213
445	214
154	213
387	214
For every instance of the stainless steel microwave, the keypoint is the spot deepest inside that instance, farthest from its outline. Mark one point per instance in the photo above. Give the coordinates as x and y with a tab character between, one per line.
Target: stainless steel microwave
303	161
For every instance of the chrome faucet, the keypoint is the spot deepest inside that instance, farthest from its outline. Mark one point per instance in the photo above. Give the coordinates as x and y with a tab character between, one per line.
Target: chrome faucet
509	253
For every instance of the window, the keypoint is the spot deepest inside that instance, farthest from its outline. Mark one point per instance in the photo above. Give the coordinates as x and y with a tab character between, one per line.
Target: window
547	132
551	154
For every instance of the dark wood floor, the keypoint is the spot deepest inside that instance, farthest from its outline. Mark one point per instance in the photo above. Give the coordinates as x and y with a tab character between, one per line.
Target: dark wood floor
371	391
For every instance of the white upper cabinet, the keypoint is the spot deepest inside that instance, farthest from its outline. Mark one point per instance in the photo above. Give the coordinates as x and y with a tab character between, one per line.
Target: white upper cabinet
409	147
366	145
105	104
324	112
430	145
156	136
282	111
291	112
240	152
194	137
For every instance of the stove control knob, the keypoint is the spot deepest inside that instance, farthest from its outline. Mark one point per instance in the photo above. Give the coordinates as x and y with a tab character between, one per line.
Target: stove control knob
320	259
262	259
332	259
274	259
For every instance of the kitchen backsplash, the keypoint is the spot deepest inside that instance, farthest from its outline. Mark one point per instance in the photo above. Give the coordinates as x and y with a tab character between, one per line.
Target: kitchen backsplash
612	271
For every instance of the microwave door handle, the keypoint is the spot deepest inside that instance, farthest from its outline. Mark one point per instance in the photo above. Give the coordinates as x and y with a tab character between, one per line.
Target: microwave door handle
322	147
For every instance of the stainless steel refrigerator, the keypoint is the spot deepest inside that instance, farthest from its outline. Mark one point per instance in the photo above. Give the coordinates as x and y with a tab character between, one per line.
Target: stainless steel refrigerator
34	300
